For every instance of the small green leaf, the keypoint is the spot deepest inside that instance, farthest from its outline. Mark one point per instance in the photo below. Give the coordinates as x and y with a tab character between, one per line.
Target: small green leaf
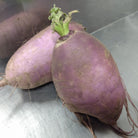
60	20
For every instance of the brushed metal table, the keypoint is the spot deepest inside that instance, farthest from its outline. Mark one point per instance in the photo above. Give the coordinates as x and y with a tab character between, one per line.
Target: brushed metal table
39	113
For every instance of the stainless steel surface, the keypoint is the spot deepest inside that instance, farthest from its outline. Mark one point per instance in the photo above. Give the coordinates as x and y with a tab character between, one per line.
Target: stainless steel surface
44	116
94	14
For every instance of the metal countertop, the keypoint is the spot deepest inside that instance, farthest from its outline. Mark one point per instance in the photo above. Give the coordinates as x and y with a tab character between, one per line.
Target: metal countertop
44	116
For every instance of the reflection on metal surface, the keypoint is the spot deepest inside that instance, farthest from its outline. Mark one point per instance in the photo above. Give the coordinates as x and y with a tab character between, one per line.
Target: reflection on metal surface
93	14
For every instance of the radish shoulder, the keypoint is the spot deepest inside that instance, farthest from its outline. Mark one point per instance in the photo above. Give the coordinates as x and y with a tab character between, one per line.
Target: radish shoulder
30	66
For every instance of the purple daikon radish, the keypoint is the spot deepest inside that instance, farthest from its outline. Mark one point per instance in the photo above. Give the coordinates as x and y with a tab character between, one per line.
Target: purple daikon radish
86	76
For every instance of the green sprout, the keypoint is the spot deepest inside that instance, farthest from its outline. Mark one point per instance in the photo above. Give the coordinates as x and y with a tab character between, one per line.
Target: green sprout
60	20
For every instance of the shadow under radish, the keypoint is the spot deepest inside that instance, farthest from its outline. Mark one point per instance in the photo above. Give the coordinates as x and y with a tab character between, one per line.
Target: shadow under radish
3	63
41	94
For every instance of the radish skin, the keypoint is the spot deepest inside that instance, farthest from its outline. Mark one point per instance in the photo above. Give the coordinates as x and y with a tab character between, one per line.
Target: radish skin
30	66
17	29
87	79
88	83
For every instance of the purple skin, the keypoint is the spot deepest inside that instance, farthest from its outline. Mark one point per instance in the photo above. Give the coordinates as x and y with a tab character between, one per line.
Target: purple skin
87	79
30	66
17	29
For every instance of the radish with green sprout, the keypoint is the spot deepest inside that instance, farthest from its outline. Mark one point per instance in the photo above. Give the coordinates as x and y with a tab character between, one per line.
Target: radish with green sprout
30	66
86	76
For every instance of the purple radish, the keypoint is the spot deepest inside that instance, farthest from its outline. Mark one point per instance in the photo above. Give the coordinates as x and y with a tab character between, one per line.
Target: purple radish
30	66
19	28
87	78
